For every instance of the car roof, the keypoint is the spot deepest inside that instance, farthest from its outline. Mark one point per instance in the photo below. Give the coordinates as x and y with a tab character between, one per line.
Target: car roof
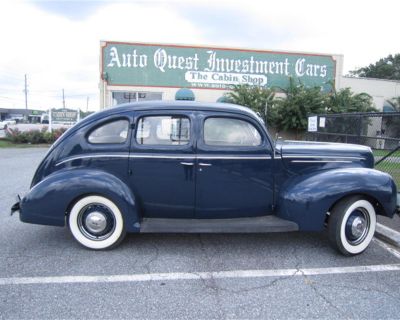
160	105
177	105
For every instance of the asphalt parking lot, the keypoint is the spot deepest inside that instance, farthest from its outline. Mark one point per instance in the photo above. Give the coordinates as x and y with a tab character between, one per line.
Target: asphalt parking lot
44	273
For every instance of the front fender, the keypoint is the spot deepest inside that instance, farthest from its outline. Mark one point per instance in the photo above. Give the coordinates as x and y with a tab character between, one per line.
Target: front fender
48	201
305	199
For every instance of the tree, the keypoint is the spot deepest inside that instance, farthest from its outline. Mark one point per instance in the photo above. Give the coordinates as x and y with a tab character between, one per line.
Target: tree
385	68
259	99
293	110
345	100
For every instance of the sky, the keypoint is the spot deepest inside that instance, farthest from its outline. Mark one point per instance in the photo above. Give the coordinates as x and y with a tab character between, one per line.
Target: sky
57	43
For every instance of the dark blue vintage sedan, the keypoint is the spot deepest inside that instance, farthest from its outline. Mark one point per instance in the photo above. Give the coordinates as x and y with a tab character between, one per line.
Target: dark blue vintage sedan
193	167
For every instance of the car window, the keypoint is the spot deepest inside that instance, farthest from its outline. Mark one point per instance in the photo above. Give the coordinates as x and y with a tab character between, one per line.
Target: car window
111	132
230	132
163	130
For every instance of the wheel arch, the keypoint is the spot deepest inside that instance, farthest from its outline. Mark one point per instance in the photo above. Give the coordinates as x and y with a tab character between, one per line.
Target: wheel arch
49	201
379	209
306	199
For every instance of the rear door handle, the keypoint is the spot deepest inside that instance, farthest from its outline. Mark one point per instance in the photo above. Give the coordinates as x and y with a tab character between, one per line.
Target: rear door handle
205	164
187	163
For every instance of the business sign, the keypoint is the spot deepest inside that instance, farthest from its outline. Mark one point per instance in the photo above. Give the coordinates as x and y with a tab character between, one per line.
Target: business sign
64	115
138	64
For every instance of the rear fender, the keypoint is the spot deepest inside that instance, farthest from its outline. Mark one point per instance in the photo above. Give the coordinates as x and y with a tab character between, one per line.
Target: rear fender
48	201
306	199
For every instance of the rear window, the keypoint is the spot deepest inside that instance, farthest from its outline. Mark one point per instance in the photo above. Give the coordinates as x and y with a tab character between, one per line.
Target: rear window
230	132
111	132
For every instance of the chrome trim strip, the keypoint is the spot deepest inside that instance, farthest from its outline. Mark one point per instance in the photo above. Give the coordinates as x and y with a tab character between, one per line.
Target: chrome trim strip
156	156
93	156
322	157
233	157
321	161
308	142
182	156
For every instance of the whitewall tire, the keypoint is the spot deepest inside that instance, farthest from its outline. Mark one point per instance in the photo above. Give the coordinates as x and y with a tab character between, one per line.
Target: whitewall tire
351	225
96	222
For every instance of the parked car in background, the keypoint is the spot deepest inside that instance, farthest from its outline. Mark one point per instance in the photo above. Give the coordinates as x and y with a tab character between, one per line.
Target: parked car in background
193	167
5	123
44	118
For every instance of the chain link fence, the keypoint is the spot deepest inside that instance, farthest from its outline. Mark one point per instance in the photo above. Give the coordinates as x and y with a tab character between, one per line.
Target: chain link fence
380	131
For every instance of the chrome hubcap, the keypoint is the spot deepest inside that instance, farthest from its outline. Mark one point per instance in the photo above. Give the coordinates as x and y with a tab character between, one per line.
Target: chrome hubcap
357	226
96	222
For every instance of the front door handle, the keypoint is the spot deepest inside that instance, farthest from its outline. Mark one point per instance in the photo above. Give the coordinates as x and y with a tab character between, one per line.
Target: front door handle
187	163
205	164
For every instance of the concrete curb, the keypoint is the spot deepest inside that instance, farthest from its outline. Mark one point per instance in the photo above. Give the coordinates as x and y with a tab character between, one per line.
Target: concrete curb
387	234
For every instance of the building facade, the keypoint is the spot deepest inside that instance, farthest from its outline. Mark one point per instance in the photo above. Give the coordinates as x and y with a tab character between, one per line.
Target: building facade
380	90
144	71
21	115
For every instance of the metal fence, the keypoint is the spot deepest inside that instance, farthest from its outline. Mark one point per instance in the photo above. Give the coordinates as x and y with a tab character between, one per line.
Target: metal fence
380	131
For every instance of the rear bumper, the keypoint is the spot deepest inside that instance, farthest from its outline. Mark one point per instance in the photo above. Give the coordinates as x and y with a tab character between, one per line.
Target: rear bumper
16	207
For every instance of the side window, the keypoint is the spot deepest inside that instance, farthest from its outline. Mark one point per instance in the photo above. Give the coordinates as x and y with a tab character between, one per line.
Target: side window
230	132
163	130
111	132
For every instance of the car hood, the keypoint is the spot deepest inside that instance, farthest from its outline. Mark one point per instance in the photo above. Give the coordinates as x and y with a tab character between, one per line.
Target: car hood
325	154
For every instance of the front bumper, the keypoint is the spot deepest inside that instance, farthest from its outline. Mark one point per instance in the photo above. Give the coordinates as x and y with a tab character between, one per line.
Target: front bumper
16	206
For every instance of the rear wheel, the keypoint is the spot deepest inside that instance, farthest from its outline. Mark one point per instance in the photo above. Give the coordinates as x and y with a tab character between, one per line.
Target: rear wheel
96	223
351	225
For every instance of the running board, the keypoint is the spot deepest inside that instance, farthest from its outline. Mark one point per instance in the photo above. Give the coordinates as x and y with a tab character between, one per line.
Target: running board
236	225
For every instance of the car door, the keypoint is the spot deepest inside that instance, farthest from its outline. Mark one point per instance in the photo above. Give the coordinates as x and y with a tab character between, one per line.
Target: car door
234	167
161	164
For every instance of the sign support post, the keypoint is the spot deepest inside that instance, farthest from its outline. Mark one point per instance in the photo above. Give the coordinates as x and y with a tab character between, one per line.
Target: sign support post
50	121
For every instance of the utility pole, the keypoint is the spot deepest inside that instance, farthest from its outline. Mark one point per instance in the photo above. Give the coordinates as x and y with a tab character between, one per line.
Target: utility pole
87	104
63	99
26	93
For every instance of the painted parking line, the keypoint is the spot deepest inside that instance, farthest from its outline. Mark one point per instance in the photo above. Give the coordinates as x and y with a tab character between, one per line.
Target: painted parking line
174	276
387	247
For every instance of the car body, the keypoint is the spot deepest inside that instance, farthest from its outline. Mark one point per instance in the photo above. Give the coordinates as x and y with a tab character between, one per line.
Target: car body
5	123
197	167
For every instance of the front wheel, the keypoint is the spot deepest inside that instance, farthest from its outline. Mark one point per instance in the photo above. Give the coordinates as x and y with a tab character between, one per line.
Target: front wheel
96	223
351	225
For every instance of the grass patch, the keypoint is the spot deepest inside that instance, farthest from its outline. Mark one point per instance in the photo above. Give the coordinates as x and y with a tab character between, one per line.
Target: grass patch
392	168
382	153
8	144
